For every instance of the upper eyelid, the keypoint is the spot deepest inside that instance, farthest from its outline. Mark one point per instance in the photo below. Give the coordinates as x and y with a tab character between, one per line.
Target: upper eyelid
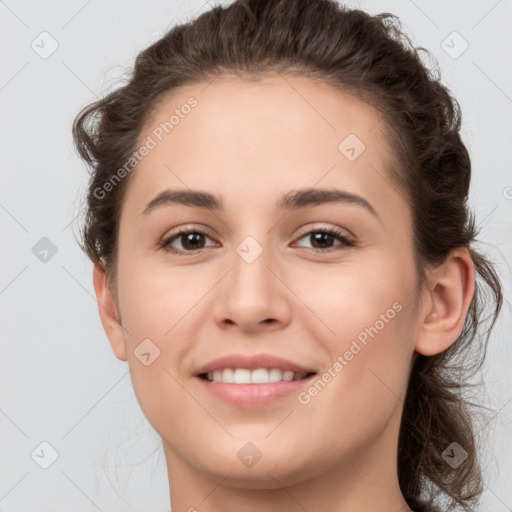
206	231
309	229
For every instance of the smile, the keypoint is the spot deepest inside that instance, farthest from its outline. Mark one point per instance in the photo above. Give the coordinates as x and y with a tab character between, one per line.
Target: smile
258	376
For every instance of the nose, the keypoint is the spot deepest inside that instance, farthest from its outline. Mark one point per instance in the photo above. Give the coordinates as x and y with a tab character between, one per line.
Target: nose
253	295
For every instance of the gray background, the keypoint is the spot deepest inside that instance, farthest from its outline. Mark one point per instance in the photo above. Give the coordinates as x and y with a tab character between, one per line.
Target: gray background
60	382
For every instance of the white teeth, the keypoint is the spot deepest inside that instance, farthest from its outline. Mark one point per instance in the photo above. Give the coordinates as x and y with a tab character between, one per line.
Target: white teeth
258	376
227	375
241	376
288	375
274	375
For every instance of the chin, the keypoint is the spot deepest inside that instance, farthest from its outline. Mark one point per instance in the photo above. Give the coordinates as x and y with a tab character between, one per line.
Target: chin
258	465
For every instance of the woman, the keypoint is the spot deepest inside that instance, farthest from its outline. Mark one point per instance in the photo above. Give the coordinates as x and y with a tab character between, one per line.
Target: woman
283	255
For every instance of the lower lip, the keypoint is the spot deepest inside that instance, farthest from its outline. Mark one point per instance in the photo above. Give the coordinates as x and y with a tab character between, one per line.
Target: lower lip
254	394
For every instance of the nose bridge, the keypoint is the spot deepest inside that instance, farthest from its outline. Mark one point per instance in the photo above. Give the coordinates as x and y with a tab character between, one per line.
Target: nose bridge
252	294
250	273
254	250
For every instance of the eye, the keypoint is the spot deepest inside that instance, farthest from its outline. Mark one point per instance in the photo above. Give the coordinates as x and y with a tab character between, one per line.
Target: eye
323	238
190	240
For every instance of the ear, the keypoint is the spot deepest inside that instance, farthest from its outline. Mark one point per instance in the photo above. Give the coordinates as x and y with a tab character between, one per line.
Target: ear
444	308
108	312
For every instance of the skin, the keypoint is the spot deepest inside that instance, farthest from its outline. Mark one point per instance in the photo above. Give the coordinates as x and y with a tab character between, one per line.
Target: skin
250	143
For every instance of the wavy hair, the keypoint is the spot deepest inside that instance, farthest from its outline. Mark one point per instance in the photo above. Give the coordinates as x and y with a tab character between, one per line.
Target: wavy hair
369	57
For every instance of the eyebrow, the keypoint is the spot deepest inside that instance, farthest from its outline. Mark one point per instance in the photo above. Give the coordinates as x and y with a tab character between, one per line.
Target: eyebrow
294	199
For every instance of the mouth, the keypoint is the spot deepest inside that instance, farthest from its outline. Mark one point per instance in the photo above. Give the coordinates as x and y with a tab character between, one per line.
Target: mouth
257	376
244	388
252	379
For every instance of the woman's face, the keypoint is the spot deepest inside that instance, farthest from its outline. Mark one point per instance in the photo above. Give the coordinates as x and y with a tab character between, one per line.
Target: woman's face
286	159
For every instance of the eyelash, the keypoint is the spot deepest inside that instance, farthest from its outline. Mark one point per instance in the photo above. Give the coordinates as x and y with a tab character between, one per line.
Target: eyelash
330	231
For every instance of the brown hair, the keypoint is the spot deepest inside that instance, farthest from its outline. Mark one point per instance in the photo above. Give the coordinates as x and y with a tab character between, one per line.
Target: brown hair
371	58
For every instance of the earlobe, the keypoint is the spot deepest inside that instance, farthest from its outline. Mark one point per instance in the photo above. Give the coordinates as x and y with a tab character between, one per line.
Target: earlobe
451	289
108	312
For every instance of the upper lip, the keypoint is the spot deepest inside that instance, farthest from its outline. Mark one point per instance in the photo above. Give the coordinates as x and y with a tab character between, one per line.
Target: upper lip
251	362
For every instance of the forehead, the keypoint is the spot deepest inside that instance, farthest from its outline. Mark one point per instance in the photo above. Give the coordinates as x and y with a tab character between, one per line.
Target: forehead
254	110
274	133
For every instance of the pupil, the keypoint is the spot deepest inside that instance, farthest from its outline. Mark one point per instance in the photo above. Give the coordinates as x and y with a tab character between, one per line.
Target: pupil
321	237
192	237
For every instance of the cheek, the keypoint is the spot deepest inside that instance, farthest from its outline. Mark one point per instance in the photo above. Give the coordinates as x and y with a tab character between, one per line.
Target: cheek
153	300
351	296
365	320
364	383
159	307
